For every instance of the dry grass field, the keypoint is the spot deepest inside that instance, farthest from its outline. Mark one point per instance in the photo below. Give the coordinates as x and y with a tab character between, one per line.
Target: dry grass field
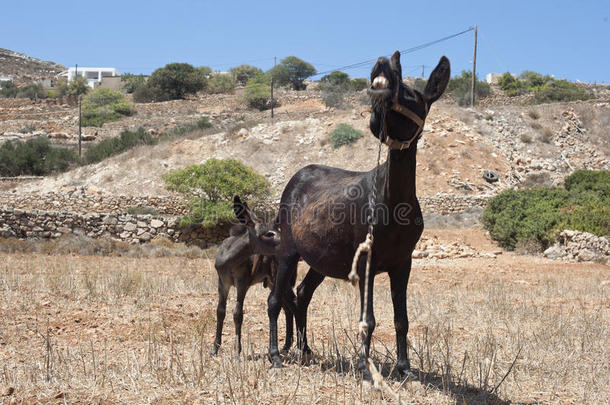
98	329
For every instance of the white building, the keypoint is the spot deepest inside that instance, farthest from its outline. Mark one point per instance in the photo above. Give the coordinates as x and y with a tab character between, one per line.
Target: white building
93	75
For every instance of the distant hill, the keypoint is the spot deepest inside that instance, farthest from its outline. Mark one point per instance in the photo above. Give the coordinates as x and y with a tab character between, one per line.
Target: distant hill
23	68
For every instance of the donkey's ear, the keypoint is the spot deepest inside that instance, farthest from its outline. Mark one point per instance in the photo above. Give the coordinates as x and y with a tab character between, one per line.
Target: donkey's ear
395	64
438	80
242	212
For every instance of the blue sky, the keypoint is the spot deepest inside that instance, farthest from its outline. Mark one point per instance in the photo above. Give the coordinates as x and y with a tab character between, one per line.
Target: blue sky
569	39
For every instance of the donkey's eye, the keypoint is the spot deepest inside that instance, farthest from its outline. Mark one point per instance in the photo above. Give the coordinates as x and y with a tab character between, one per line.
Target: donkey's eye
269	234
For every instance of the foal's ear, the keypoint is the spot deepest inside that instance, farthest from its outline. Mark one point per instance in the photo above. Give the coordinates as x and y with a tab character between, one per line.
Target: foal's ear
242	212
395	65
438	80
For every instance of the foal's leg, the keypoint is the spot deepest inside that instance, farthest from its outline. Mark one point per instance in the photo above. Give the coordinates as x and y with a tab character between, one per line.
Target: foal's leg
287	266
238	313
305	291
398	285
289	324
370	321
223	292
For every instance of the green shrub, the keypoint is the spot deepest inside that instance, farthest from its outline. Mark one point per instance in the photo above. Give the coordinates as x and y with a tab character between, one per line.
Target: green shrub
30	90
518	216
344	134
201	123
216	182
77	87
114	146
257	93
104	105
460	88
35	157
561	90
584	181
359	84
131	82
511	85
242	73
220	83
146	94
336	78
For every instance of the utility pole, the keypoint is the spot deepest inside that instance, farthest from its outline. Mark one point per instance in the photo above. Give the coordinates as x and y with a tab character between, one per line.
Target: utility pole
79	127
474	67
272	102
422	72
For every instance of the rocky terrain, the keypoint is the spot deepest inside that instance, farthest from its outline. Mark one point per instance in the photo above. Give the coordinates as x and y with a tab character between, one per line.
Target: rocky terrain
24	69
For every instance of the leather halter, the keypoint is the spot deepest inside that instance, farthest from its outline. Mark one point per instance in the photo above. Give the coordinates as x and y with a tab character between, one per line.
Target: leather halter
395	144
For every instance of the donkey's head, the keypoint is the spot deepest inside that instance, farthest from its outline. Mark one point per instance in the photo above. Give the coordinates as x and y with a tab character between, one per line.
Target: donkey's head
404	108
262	237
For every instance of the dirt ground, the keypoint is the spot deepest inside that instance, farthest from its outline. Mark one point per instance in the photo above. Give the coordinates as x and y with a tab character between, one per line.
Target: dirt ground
511	329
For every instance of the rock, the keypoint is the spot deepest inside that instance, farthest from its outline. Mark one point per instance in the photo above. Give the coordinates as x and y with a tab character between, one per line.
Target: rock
130	227
554	252
155	223
145	237
419	254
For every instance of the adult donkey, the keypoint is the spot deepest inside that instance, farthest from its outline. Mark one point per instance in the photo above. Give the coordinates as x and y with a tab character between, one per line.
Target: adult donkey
321	209
243	259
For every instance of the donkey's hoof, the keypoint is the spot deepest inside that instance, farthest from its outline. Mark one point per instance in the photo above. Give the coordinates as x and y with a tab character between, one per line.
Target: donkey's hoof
214	351
276	363
286	349
405	373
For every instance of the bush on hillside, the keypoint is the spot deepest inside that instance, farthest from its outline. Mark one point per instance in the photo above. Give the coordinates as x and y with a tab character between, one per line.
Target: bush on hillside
30	90
460	87
104	105
131	82
242	73
35	157
539	214
359	84
220	83
545	88
114	146
344	134
201	123
257	93
215	183
336	78
333	94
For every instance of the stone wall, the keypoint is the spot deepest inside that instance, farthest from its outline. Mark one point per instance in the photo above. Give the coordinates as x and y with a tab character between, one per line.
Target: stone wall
446	204
41	224
580	247
83	202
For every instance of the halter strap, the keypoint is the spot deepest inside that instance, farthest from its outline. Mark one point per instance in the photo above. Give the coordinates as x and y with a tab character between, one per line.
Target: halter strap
401	145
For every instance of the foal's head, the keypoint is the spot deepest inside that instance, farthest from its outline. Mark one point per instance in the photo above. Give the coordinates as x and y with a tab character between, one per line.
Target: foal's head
405	108
262	236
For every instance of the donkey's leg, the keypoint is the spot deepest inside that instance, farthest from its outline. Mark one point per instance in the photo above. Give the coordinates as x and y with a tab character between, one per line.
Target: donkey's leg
223	293
287	266
238	313
305	291
366	295
398	284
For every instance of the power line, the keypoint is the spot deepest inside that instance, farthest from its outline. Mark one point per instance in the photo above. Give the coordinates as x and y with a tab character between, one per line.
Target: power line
403	52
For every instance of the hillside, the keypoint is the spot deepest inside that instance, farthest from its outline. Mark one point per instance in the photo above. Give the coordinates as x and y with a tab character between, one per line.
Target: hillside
458	144
23	68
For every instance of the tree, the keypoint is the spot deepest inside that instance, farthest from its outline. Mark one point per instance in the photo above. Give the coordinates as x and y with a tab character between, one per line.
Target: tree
293	71
242	73
176	80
